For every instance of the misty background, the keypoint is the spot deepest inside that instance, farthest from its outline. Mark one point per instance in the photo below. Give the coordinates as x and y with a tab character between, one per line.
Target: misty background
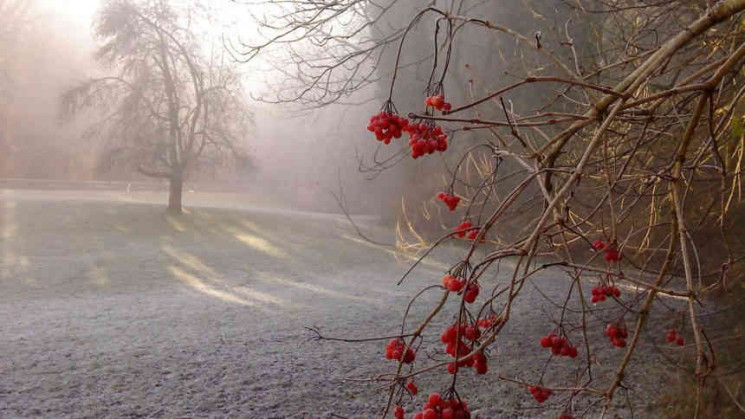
299	152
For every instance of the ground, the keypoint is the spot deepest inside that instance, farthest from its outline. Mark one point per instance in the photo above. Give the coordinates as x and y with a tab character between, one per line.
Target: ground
112	309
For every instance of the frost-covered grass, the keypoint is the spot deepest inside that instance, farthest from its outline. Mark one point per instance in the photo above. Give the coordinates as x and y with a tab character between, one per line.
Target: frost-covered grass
110	308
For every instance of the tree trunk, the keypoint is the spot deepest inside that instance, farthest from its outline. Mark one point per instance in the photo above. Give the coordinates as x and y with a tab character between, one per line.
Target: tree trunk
174	193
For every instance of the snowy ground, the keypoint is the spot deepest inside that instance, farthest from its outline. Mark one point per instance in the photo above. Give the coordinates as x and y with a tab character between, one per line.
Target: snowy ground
111	309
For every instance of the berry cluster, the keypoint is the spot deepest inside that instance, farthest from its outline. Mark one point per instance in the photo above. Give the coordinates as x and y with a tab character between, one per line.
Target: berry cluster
438	102
612	254
453	338
387	126
463	228
559	346
452	283
601	291
617	335
566	416
539	393
472	291
395	350
673	336
488	322
451	201
426	139
439	408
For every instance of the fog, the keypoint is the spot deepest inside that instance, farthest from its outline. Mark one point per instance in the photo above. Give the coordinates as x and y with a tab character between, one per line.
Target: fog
298	152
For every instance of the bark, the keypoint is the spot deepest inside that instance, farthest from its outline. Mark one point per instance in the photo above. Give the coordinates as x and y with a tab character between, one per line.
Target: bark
175	191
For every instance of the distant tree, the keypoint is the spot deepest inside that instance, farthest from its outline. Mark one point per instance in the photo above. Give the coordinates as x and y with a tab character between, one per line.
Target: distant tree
168	104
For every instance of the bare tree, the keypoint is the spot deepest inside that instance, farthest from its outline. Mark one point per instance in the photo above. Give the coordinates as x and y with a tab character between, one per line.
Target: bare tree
168	104
622	126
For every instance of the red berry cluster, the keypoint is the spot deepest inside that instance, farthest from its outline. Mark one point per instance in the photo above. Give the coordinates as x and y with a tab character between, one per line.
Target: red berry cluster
395	350
566	416
601	291
472	291
453	338
398	412
386	126
612	254
438	102
439	408
559	346
463	228
450	200
539	393
475	233
673	336
488	322
617	335
426	139
452	283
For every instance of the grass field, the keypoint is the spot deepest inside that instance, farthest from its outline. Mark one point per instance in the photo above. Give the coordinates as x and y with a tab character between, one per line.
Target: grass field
112	309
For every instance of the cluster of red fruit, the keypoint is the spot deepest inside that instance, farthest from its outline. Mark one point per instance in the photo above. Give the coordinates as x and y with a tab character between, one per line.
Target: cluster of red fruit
617	335
559	346
489	321
463	228
601	291
454	284
452	337
611	251
387	126
439	408
438	102
451	201
426	139
539	393
566	416
395	350
672	336
473	234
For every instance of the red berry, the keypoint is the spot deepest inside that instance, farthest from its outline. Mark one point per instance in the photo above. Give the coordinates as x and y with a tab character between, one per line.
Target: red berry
546	341
434	399
412	388
598	244
680	341
398	412
430	414
472	333
455	285
471	293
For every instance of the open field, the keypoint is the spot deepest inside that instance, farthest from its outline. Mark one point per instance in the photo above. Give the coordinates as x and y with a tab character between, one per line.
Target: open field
112	309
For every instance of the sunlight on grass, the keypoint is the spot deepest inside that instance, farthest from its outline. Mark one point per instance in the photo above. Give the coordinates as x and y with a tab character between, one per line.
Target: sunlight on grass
273	279
99	276
10	261
207	280
198	285
188	260
400	257
255	242
176	224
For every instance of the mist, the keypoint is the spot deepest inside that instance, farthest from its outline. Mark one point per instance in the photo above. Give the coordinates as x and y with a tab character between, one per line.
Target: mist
363	208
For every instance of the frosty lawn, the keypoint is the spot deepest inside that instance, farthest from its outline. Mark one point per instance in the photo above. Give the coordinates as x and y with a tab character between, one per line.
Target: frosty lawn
111	308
